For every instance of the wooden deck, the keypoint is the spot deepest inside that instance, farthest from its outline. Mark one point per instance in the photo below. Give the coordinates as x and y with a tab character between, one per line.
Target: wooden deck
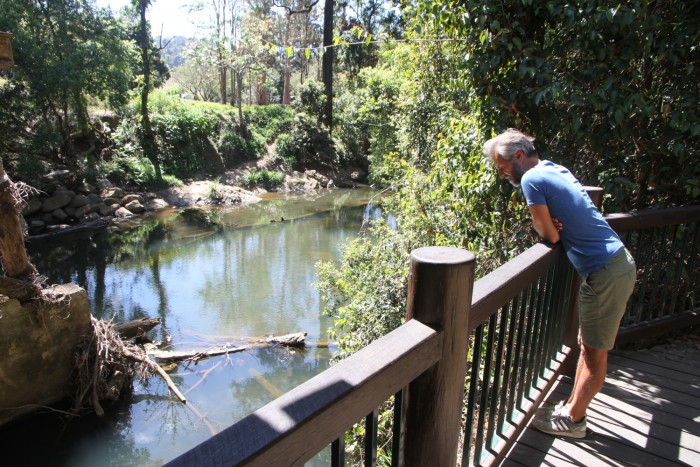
647	414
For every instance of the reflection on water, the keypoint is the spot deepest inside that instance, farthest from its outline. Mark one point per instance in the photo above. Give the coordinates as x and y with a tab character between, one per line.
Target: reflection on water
230	273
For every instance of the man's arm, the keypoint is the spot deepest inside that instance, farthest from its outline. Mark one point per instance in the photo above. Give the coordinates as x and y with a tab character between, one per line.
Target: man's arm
543	223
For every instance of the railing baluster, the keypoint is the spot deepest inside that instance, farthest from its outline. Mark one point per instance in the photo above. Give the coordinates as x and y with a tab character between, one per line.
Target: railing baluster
498	372
371	422
398	428
508	383
472	404
338	452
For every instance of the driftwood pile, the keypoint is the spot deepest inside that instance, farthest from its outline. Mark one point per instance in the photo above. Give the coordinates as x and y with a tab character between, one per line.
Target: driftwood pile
110	358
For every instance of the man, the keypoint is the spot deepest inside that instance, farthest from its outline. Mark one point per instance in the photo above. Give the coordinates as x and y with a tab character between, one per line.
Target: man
561	210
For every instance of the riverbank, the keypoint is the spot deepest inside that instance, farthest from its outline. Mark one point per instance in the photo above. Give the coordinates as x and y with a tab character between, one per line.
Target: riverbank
70	205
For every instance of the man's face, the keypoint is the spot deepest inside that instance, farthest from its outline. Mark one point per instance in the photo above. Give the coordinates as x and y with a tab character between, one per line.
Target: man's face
511	169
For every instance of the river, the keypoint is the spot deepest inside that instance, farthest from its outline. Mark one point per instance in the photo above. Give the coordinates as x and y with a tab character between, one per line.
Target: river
238	272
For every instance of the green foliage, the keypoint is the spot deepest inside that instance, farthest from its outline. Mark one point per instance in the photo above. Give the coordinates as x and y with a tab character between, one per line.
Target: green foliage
265	178
311	146
184	134
609	89
236	148
269	120
367	117
284	150
311	100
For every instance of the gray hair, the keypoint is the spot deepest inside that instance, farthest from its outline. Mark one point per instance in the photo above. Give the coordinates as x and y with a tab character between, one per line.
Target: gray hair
508	143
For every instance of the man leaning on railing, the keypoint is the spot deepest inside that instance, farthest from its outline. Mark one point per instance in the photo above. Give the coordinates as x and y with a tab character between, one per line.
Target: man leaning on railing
562	211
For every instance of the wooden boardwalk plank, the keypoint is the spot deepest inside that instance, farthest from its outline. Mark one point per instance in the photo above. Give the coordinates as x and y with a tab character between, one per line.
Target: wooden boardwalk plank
648	413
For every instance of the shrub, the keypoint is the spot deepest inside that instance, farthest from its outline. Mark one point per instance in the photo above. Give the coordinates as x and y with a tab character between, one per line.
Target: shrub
236	148
269	120
311	146
312	100
284	150
265	178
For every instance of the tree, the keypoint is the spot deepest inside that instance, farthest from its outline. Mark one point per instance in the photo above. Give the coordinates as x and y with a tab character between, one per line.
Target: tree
149	139
327	72
291	8
64	52
610	90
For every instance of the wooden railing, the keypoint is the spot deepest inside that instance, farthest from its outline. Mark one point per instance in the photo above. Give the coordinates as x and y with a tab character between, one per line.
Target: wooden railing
508	335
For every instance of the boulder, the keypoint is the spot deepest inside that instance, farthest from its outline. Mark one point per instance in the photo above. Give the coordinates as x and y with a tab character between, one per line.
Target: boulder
105	210
94	198
60	215
135	207
32	207
111	201
103	184
157	203
84	187
58	200
85	210
123	213
114	192
131	197
79	200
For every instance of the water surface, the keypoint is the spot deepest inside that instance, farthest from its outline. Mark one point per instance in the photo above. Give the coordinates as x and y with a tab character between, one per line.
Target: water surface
248	272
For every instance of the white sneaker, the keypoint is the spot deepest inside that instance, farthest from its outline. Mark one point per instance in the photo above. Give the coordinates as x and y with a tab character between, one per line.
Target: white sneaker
560	423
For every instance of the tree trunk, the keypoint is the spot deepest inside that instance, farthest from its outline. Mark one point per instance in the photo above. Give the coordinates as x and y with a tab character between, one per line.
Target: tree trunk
12	251
328	63
149	142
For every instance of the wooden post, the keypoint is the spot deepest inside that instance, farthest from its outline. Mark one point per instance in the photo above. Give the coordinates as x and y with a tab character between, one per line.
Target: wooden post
572	325
439	295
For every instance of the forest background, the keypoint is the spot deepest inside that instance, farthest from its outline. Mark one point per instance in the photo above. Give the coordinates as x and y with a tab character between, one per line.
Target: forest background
407	90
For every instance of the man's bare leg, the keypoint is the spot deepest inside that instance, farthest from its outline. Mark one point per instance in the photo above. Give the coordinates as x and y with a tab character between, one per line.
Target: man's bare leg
590	376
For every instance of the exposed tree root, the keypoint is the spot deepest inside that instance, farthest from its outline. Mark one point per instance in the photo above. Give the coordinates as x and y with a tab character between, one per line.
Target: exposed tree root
105	364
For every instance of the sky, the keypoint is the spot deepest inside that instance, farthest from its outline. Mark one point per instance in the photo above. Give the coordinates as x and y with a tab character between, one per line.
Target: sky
171	14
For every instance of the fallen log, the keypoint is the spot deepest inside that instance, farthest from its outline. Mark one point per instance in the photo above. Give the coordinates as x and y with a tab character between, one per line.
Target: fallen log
289	340
136	328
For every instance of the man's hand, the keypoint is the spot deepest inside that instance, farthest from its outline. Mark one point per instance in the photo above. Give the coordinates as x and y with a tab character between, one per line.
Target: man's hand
557	225
544	224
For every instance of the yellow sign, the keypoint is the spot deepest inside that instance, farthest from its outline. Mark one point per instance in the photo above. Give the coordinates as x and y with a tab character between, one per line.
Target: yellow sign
6	60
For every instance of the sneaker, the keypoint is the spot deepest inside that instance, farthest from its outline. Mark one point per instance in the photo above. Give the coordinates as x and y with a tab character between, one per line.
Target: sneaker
548	407
559	423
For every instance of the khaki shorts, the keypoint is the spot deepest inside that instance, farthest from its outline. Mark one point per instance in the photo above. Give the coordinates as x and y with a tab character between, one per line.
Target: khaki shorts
603	299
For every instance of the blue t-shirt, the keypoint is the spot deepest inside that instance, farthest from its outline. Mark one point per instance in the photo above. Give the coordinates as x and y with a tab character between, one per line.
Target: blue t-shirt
587	238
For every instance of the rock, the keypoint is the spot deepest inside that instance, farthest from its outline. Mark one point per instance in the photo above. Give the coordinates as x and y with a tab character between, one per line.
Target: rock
113	193
58	200
94	198
60	215
93	216
123	213
158	203
85	210
84	187
79	200
32	207
70	210
135	207
36	225
132	197
358	175
38	359
48	218
103	184
105	210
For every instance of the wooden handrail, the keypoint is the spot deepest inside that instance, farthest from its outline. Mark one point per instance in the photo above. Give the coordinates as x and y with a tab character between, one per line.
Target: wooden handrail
497	288
300	423
652	218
